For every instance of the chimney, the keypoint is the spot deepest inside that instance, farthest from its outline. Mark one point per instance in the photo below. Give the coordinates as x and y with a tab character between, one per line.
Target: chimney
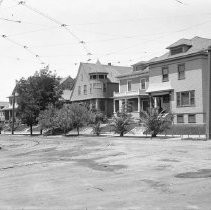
109	64
208	113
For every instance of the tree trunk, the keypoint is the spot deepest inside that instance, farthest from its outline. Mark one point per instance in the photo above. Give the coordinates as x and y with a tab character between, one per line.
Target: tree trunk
122	134
40	131
153	135
31	130
78	130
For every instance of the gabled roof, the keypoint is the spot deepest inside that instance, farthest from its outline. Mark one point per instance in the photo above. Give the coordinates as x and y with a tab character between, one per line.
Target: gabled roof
180	42
198	45
135	73
112	71
4	104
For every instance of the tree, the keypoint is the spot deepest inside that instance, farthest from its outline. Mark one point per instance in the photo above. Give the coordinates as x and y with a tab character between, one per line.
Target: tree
156	122
64	118
47	118
80	115
35	94
121	121
97	119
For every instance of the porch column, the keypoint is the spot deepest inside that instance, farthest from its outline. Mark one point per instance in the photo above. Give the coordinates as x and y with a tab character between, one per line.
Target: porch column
208	114
139	104
97	104
120	105
150	101
114	102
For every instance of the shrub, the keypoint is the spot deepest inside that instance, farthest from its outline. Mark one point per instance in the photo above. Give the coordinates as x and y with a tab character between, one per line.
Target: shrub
156	122
121	122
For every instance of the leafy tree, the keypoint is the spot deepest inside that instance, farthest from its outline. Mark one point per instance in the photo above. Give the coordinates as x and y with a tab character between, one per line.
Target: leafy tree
64	118
97	119
47	118
34	95
156	122
121	122
80	115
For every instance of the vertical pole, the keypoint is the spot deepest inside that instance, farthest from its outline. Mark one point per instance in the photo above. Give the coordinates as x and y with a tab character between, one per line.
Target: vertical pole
208	113
139	104
114	106
13	112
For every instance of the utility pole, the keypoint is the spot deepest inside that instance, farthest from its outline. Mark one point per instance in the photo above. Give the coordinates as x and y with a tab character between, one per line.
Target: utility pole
13	111
208	113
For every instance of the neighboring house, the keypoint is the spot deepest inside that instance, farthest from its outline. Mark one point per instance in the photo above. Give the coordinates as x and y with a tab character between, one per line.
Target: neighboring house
3	105
8	109
95	84
67	85
132	90
178	80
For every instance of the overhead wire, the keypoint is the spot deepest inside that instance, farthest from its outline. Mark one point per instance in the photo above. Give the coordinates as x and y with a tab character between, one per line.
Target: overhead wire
63	25
25	47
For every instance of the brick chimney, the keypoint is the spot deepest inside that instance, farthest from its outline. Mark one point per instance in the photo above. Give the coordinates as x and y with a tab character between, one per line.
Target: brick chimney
208	113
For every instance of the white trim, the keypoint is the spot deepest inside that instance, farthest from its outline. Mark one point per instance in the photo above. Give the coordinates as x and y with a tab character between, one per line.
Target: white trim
127	85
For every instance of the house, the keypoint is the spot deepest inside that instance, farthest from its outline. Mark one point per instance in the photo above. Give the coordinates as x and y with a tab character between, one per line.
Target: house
66	85
95	84
3	105
132	90
7	110
178	80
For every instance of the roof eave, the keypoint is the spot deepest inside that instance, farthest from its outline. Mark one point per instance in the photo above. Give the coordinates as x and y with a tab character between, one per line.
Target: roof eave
179	57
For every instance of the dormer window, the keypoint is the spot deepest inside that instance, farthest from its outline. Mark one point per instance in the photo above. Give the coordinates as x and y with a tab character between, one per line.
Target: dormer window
176	50
98	76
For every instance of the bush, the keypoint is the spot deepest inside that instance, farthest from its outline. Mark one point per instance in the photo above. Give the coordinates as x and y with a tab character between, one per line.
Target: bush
156	122
121	122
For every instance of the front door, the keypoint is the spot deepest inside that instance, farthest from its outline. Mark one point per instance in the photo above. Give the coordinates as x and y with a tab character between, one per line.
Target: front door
145	105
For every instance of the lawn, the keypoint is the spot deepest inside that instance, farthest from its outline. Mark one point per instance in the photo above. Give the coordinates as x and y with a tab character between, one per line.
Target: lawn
88	173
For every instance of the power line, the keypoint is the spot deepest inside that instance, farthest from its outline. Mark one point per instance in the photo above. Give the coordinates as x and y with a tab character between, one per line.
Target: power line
23	46
63	25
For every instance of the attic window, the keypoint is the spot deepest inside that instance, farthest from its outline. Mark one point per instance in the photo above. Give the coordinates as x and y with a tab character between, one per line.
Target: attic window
176	50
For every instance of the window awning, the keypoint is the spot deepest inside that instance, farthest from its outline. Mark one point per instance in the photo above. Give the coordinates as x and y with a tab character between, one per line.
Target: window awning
159	87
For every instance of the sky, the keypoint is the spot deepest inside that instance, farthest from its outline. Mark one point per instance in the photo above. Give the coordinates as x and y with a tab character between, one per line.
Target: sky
121	32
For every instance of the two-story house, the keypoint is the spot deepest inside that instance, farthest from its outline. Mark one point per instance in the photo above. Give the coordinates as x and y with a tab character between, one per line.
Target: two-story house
132	90
95	84
3	106
177	80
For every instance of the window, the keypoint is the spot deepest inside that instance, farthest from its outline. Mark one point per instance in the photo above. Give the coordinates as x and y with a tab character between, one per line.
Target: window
102	105
91	77
85	89
177	50
129	85
143	84
191	118
94	77
79	90
101	76
104	87
97	86
165	74
186	98
90	88
181	71
180	118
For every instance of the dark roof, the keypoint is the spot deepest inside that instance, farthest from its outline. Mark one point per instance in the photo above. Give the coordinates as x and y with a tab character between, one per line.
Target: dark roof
198	45
112	71
134	73
180	42
4	104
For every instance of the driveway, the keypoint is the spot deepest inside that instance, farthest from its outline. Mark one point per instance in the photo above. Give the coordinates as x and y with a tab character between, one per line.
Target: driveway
111	173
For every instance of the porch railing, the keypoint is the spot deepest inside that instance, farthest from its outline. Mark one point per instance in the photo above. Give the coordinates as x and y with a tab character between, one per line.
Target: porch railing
129	93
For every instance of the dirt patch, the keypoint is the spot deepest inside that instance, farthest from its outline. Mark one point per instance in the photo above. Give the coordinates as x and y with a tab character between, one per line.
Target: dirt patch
170	160
203	173
162	167
91	163
157	185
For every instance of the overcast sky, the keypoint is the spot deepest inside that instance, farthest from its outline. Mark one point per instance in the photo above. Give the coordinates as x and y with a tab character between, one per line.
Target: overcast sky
122	32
